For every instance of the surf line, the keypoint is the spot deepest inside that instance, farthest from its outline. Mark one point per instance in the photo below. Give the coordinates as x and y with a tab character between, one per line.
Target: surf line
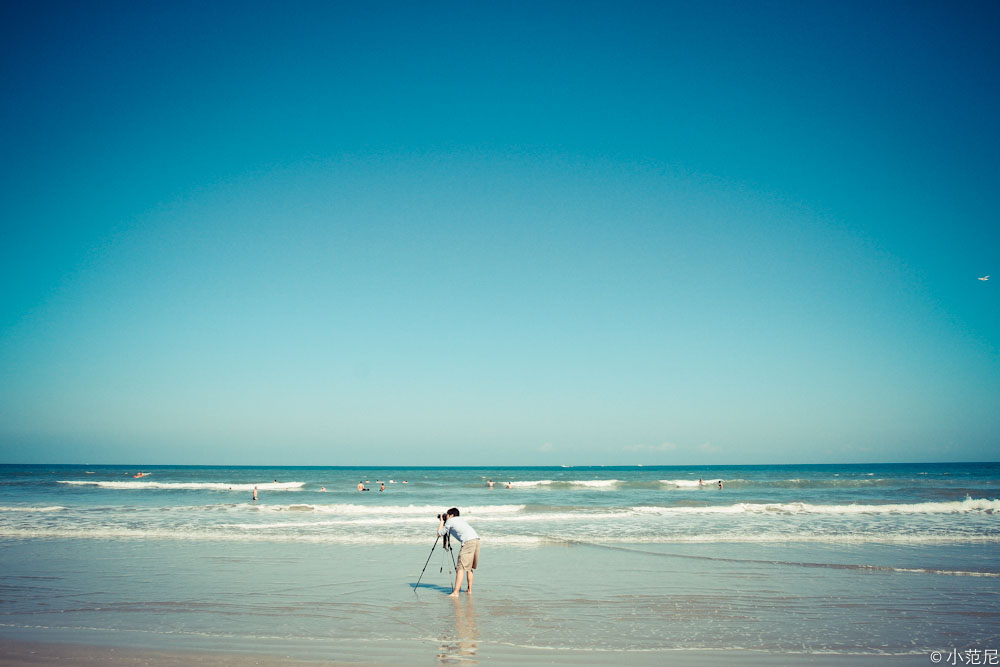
784	563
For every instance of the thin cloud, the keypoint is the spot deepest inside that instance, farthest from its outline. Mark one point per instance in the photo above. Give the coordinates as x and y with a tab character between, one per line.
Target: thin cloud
709	448
662	447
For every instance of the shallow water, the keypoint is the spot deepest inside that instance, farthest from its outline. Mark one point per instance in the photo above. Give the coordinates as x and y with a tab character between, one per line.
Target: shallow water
341	601
903	566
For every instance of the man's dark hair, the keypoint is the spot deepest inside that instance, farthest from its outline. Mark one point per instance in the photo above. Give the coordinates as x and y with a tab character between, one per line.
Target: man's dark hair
453	511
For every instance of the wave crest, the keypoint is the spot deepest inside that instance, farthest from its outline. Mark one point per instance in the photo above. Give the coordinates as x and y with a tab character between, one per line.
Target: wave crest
191	486
953	507
50	508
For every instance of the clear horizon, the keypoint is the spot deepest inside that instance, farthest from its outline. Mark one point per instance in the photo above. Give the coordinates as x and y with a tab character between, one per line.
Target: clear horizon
505	467
650	233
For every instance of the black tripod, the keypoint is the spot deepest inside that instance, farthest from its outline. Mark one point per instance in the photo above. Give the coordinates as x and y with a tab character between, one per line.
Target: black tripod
446	545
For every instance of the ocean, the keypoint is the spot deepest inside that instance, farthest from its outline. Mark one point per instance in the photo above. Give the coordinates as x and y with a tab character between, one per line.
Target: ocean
872	560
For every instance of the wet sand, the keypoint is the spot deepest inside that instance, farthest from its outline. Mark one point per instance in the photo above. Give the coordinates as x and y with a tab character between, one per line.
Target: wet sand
90	602
26	654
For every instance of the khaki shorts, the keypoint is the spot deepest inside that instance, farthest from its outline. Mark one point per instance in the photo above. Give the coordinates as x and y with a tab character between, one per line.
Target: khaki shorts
468	557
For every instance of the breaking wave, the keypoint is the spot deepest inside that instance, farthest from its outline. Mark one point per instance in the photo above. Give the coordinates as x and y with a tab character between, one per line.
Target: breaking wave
952	507
191	486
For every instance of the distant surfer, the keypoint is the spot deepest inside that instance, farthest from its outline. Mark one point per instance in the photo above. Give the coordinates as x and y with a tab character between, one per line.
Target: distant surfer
381	486
362	487
255	494
509	486
720	485
490	483
701	482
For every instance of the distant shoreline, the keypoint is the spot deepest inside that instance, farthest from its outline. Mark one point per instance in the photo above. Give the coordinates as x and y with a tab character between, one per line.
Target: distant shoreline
610	466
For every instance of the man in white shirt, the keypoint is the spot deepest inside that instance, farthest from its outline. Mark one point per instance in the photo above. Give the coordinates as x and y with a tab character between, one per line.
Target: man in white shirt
468	556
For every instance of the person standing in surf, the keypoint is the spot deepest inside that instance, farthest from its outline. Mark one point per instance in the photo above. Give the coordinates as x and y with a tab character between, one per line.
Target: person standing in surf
468	555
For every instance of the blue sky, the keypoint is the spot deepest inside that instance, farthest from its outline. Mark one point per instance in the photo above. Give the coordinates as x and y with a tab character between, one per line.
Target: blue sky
499	233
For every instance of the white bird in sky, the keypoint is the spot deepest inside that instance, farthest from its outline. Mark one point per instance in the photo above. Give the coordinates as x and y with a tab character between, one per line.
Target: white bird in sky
985	278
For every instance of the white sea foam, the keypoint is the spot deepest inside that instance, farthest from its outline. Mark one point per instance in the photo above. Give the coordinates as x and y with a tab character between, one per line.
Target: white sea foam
51	508
531	483
370	511
808	538
792	483
191	486
327	523
689	483
952	507
221	534
596	483
402	520
229	534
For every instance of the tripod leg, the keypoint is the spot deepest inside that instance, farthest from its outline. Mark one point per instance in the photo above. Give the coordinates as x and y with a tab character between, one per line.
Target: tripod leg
425	564
446	545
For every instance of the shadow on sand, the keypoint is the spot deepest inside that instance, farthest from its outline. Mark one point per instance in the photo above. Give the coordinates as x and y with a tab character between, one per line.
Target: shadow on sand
433	587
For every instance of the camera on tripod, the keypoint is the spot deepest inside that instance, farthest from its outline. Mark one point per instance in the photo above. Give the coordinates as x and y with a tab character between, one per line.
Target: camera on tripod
445	539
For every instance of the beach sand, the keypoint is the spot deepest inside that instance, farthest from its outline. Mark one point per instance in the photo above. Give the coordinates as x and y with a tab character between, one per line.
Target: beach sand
26	654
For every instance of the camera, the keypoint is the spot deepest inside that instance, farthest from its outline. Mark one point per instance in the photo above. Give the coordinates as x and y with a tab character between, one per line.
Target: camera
443	516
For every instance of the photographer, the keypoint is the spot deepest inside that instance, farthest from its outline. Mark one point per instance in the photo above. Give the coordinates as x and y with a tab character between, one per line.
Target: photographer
468	556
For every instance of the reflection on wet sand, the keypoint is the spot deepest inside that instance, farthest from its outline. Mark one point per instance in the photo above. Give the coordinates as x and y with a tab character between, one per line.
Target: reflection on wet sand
462	644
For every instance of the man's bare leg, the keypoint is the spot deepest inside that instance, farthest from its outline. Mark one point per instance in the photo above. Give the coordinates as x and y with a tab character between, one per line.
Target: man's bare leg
458	583
468	589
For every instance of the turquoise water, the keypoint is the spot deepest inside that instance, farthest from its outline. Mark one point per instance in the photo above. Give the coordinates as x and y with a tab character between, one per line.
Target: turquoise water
862	559
903	504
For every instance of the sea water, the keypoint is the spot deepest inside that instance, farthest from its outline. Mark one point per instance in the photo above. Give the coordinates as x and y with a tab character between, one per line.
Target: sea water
873	560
